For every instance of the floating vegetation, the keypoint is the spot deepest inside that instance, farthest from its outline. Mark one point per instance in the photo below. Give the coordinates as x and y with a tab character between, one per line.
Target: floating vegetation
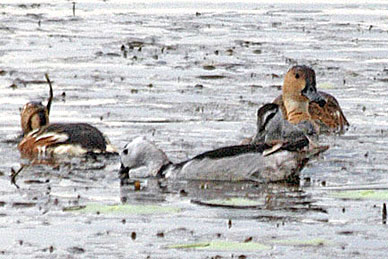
295	242
325	85
362	194
222	246
122	209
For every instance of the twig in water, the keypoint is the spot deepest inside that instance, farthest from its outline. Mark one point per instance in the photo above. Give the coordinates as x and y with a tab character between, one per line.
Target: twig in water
73	8
50	99
14	174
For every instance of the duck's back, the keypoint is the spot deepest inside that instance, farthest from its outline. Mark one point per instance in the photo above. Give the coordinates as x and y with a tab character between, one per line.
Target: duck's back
83	134
244	162
64	138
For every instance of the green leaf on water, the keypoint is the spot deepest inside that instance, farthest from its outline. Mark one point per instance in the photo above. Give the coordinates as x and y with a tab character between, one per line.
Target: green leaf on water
325	85
362	194
222	246
311	242
123	209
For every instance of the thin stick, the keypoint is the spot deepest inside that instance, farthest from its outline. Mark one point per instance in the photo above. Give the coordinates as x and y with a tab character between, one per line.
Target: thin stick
50	99
14	174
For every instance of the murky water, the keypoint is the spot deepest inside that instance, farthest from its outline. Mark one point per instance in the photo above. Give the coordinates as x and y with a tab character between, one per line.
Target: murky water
191	76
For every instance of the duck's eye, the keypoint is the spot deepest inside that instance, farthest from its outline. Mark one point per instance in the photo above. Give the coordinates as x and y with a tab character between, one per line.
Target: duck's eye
296	75
125	151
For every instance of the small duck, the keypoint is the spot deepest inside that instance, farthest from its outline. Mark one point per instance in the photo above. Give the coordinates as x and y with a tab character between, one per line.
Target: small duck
272	127
301	101
299	89
263	162
44	139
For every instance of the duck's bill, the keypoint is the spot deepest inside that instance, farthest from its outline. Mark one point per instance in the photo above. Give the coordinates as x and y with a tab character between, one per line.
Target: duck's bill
311	93
316	98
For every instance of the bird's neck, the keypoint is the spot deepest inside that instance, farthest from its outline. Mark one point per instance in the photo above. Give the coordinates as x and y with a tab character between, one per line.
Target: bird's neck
297	110
155	160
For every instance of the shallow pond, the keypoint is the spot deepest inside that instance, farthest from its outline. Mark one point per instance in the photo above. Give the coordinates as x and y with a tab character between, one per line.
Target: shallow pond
190	76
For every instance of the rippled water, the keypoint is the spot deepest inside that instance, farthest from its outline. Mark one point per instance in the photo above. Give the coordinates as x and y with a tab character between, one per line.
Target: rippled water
191	76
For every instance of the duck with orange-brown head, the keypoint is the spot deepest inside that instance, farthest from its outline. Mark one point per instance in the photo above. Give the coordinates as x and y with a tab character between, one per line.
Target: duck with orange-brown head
294	120
300	101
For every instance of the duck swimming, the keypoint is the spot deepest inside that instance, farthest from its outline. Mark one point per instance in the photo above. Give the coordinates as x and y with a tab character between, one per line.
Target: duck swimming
264	162
273	124
272	127
301	101
42	138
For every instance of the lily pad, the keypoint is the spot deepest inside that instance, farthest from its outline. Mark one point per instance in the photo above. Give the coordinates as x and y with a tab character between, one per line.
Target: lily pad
311	242
222	246
230	203
325	85
362	194
123	209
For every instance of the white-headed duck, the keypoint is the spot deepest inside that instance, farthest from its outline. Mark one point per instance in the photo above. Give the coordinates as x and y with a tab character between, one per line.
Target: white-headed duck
261	162
42	138
301	101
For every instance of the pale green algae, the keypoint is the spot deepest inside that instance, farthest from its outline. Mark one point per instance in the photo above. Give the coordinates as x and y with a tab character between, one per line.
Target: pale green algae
310	242
123	209
362	194
223	246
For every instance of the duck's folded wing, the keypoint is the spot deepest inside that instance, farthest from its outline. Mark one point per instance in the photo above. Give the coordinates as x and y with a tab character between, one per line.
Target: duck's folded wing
72	138
82	134
330	117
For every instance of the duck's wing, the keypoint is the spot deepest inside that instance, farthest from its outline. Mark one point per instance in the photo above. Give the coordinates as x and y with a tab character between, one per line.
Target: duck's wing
272	162
82	136
230	151
329	118
330	115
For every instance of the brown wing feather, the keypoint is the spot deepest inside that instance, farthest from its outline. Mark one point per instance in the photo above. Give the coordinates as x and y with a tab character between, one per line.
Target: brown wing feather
30	146
84	135
329	118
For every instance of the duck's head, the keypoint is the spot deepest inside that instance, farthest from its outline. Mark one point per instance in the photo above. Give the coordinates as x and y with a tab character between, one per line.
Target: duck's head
265	114
141	152
265	121
33	115
300	86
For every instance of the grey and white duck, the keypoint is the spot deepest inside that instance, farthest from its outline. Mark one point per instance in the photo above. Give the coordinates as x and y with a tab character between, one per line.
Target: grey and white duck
263	162
272	127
